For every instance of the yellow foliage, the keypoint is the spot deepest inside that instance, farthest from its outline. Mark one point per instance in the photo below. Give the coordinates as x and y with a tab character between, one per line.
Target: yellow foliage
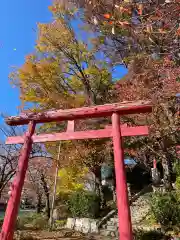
63	72
71	179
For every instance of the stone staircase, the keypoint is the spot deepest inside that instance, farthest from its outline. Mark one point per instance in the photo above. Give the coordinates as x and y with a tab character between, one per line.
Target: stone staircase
139	210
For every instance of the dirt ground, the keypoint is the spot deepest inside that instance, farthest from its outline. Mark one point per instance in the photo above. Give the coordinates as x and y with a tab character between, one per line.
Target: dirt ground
63	235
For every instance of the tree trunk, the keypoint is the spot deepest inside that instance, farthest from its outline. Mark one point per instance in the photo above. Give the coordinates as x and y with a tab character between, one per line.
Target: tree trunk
2	186
99	187
54	195
48	208
39	203
46	192
114	193
167	179
167	167
101	193
114	186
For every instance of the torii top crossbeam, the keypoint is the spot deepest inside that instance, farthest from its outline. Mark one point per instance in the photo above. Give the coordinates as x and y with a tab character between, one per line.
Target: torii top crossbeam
122	108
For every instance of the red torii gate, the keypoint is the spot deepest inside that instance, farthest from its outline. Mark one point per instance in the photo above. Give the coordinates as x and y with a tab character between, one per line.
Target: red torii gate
116	132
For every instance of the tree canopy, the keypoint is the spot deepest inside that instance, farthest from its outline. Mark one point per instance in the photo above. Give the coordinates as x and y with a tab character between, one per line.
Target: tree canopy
66	71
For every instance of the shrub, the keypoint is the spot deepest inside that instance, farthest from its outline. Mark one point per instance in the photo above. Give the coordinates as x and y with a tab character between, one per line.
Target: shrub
22	221
61	212
32	221
1	222
166	208
59	224
84	204
149	235
39	222
62	198
178	183
177	177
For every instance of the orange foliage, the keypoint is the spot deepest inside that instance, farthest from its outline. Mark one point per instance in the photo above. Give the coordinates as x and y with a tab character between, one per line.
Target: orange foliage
107	15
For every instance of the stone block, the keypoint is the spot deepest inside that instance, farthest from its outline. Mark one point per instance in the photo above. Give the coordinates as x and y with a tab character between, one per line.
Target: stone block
94	226
112	228
70	223
114	220
113	234
86	225
105	233
104	226
110	223
78	224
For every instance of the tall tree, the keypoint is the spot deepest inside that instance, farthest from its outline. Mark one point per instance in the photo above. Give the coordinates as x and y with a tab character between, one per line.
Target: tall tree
134	27
9	155
145	38
65	72
39	181
157	82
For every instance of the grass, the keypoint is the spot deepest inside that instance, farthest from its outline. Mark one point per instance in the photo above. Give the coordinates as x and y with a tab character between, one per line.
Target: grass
21	213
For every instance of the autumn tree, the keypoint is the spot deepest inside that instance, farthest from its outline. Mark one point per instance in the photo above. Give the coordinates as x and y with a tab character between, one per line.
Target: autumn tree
155	81
9	155
8	163
127	28
90	155
144	37
39	182
71	179
82	156
65	72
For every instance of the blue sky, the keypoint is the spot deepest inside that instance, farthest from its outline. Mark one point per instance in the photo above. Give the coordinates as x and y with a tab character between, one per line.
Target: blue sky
18	18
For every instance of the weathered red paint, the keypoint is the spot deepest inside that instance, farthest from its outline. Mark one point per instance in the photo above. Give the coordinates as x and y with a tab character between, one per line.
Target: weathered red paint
122	125
13	203
70	126
154	163
81	113
70	135
124	217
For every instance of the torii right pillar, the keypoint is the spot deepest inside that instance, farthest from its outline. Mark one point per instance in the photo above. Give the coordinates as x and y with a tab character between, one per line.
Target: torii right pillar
124	216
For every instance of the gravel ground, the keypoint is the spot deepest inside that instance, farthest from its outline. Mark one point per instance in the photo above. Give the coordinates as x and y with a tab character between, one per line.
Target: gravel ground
63	235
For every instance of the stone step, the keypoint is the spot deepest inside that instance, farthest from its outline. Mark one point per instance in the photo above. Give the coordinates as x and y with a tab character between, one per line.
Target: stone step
114	220
111	223
107	233
112	228
104	226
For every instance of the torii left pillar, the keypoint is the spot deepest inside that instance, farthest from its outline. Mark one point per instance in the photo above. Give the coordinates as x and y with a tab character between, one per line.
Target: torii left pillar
13	203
